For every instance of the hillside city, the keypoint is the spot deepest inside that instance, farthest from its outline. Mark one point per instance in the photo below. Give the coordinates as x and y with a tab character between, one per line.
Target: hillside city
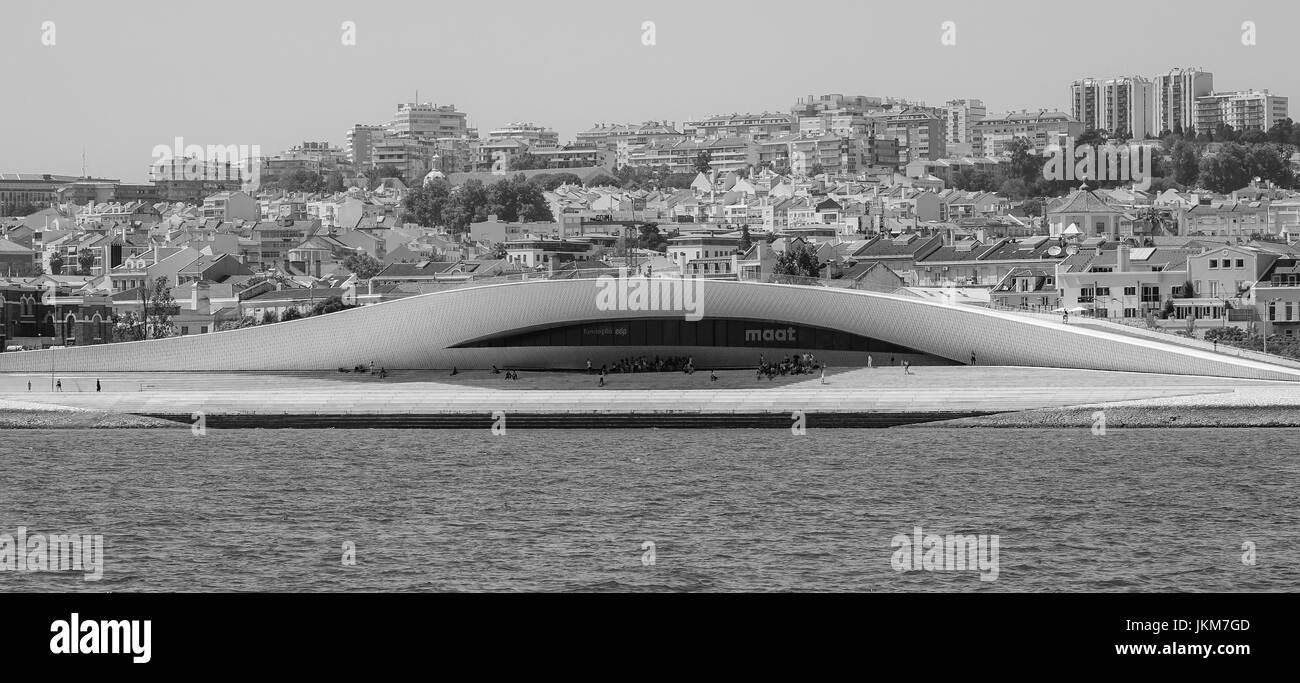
881	193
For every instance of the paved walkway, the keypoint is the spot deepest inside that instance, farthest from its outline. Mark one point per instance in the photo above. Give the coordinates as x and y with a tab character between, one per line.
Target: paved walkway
880	390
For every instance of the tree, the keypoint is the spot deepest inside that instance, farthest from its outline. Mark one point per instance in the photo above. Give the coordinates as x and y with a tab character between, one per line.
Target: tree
85	261
1024	163
226	325
800	261
517	200
745	241
423	205
499	251
270	317
363	265
1271	163
602	180
291	314
704	161
526	162
467	204
550	181
56	265
334	182
161	308
333	304
1014	189
816	170
1184	163
127	327
1227	171
302	181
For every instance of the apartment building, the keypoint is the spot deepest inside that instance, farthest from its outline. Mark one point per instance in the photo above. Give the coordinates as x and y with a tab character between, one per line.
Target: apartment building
749	126
428	120
919	133
1174	104
360	140
1116	105
536	137
961	116
1042	128
1244	110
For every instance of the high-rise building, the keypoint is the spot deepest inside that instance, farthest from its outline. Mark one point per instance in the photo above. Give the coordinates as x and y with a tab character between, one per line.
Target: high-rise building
1116	105
1244	110
360	140
1174	106
428	120
919	133
962	115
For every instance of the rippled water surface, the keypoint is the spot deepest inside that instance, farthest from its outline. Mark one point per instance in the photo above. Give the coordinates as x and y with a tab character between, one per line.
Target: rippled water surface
727	510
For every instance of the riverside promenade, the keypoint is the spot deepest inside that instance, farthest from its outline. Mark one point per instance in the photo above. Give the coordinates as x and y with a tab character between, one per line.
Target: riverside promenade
879	397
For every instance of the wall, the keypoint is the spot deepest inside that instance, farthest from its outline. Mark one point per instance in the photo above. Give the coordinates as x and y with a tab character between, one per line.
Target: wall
415	333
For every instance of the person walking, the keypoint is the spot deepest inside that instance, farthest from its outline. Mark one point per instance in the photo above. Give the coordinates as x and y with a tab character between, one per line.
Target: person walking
588	366
870	363
972	357
1065	317
29	385
823	373
58	386
713	376
907	368
97	387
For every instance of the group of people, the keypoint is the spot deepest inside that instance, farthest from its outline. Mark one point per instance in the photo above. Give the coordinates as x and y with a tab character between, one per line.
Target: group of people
361	368
798	364
510	374
646	364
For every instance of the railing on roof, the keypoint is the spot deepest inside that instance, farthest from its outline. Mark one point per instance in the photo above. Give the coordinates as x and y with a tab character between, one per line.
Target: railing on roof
1165	335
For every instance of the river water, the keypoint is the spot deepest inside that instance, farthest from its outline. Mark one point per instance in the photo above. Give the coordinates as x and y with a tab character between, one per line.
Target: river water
726	510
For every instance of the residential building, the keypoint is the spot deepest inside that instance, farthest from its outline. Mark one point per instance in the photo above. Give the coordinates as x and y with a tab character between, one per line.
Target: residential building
747	126
428	120
360	139
962	115
1113	281
230	206
1116	105
1042	128
536	137
1244	110
919	134
1174	104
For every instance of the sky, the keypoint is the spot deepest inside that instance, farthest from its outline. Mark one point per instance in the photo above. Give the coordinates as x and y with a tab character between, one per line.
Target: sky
127	75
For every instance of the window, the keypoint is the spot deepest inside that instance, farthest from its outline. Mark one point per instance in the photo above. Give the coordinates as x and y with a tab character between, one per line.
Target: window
1131	313
184	330
1130	291
1214	263
1103	291
203	329
1241	263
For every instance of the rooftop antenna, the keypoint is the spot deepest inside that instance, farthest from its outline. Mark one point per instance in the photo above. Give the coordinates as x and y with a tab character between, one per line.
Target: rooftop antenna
83	163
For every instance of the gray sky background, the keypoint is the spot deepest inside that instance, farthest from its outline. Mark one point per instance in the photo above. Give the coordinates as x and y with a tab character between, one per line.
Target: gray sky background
128	75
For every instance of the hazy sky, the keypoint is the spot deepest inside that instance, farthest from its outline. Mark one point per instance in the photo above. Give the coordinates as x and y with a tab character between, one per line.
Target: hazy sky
125	76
